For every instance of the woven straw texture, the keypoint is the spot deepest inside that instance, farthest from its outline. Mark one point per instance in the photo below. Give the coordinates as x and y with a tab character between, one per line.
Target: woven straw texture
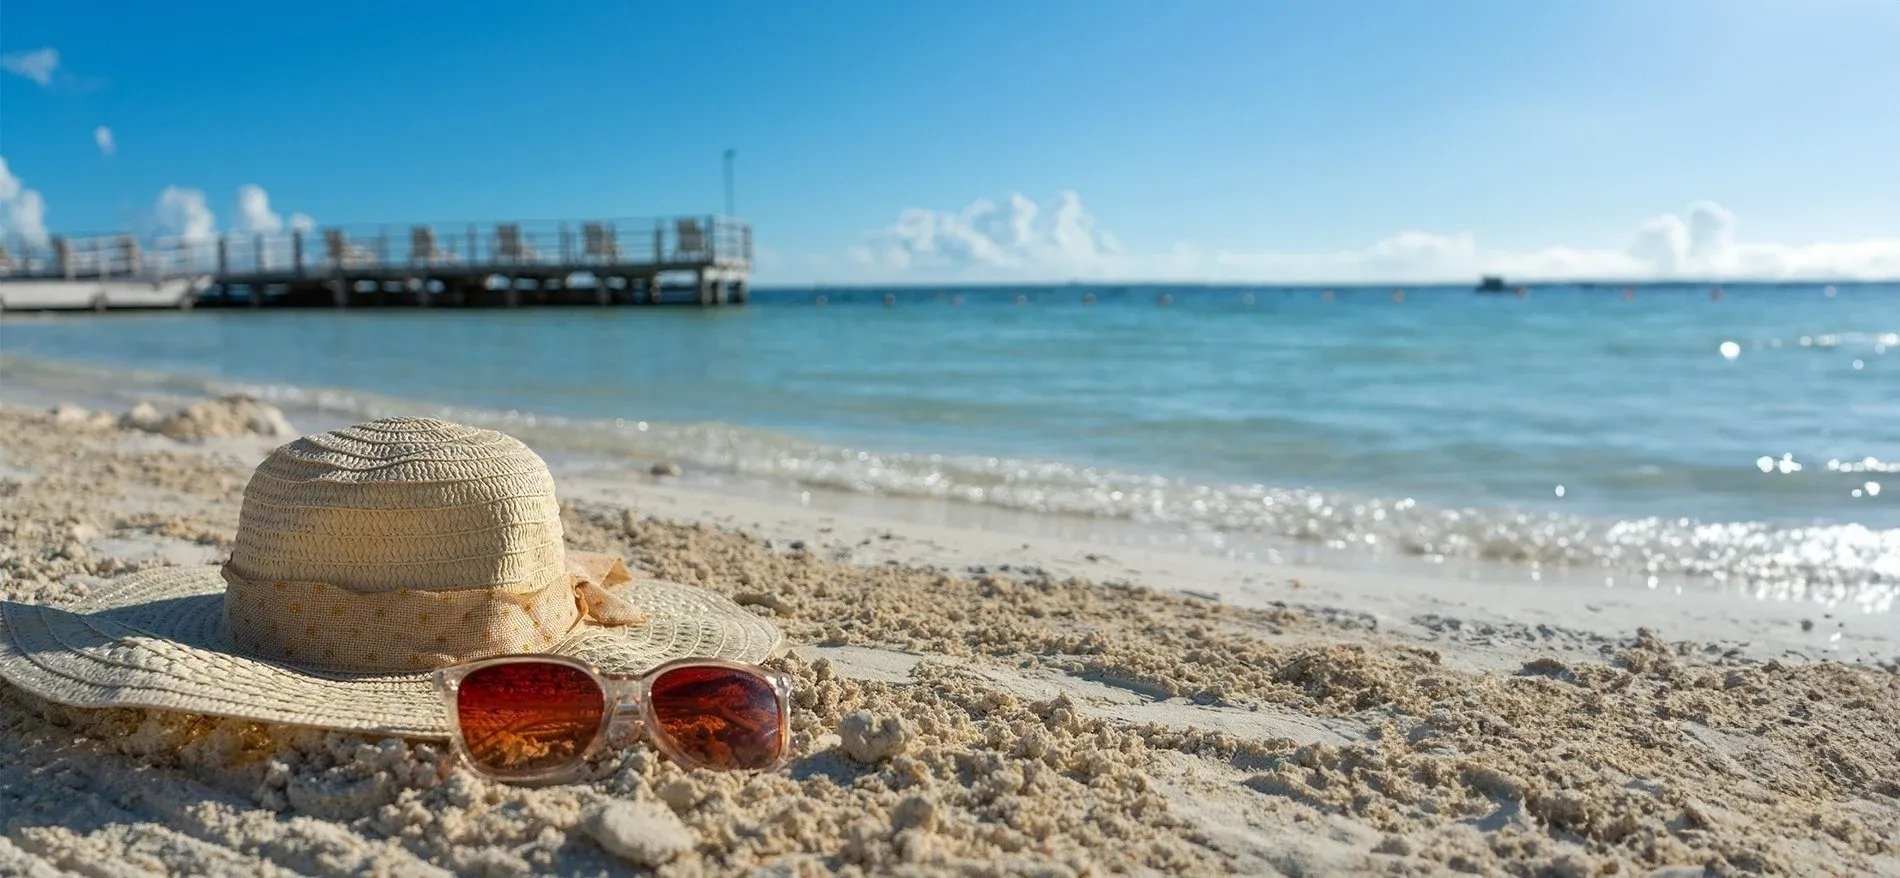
364	558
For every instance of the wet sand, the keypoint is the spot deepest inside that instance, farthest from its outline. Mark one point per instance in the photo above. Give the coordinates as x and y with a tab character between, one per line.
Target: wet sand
972	704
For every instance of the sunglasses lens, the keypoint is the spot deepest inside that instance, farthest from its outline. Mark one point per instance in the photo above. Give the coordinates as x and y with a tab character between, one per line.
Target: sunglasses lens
528	716
718	717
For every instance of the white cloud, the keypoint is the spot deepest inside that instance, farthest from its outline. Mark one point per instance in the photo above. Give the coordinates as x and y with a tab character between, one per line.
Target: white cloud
26	215
254	214
1024	241
1661	243
990	238
37	65
22	210
186	214
103	137
1700	241
253	211
182	212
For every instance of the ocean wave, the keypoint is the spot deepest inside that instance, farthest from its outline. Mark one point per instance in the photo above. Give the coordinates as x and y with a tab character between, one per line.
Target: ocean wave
1834	564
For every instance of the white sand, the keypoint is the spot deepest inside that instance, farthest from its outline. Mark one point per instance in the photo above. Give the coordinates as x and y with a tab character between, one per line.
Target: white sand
1393	719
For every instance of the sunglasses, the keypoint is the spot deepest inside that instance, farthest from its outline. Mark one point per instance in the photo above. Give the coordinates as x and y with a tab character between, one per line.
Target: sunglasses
537	718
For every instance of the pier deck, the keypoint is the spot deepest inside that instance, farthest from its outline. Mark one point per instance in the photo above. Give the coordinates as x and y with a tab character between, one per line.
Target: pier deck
698	260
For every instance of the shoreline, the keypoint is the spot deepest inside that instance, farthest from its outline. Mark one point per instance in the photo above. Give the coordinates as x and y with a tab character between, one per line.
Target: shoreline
1581	604
1486	601
1043	715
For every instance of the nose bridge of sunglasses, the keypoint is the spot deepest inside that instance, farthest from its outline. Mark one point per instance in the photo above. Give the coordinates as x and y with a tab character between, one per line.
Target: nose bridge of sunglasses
627	715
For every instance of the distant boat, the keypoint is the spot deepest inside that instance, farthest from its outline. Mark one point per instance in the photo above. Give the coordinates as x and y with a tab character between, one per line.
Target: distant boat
1491	284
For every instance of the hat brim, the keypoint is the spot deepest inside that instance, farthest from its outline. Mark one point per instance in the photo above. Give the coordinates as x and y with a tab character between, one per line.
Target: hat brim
156	639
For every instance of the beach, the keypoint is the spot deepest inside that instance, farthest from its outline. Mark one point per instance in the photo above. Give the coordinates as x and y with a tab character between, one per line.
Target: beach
974	701
1031	439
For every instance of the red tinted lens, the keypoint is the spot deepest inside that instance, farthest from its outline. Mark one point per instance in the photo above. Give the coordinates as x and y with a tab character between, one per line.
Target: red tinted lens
718	717
528	716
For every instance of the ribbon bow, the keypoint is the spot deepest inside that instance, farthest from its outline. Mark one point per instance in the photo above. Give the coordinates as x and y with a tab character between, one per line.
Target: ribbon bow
593	574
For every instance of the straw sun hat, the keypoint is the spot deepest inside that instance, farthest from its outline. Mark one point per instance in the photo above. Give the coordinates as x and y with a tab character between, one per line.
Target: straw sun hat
365	559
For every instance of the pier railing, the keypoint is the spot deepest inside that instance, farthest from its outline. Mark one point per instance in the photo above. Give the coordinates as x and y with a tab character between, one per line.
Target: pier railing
91	257
682	242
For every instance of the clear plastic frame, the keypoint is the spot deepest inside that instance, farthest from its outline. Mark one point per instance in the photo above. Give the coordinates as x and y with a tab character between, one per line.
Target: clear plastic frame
626	702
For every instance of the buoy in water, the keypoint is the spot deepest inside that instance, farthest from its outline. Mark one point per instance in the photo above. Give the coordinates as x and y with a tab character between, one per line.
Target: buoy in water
1715	294
1164	300
1398	297
1022	300
890	300
1829	291
1629	293
1246	299
820	301
1523	293
1326	296
1088	298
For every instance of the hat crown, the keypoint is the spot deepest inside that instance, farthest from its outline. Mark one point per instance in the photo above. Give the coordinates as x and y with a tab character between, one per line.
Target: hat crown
401	503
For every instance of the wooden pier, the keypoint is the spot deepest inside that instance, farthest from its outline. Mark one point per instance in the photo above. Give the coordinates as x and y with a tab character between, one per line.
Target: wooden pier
698	260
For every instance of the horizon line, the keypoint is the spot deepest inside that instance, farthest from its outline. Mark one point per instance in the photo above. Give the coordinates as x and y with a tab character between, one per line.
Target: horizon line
1319	285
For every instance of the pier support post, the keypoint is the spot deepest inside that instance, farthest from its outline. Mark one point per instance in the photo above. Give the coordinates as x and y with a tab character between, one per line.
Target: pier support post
512	295
420	286
703	286
603	294
655	291
739	292
720	291
255	294
340	293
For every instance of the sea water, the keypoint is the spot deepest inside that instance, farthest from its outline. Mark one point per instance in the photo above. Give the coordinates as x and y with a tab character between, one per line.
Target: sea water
1750	439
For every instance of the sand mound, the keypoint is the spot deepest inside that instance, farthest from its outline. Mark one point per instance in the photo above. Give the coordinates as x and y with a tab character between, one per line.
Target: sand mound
143	416
68	415
226	416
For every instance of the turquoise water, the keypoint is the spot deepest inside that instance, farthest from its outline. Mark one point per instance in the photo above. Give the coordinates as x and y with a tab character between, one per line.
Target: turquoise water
1755	438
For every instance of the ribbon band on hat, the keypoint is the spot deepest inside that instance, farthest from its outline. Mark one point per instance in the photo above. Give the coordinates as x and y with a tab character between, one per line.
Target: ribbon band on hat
319	625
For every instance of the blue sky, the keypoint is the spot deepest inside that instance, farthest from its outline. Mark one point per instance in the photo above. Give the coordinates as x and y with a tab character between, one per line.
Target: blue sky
998	141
